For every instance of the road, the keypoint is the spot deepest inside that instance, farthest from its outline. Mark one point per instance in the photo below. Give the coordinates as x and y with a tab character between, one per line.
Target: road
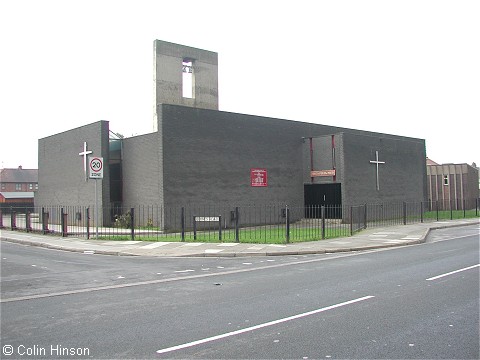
418	301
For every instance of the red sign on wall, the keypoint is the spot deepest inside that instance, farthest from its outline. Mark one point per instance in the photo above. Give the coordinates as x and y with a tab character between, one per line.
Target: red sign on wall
258	177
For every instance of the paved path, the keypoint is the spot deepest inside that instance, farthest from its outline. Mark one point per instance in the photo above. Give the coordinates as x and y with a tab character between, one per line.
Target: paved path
367	239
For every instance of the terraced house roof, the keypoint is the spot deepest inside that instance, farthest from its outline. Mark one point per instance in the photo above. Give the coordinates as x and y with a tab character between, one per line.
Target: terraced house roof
19	175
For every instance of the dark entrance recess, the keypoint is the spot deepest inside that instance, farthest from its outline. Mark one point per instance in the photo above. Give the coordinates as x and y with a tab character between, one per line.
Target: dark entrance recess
116	183
318	195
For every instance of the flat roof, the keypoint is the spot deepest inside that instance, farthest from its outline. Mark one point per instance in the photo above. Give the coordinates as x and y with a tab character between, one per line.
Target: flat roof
17	194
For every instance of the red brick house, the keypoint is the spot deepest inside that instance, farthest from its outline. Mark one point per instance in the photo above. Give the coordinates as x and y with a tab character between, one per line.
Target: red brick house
17	187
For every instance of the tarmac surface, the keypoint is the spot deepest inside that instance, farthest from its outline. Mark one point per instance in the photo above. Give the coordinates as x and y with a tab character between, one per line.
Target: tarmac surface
371	238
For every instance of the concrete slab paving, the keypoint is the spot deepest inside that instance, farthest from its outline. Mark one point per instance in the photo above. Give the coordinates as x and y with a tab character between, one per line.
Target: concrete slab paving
368	239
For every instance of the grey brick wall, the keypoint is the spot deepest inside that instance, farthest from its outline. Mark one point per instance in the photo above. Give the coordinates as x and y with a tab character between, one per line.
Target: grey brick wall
208	156
401	178
61	179
142	170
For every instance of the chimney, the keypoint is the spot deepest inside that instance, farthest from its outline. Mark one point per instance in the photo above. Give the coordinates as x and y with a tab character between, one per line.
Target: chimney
20	167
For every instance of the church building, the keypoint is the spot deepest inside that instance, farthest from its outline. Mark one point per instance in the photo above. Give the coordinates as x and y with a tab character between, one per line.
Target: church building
199	155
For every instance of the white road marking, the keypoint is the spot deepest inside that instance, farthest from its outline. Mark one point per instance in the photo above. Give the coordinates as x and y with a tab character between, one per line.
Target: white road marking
184	271
155	245
260	326
450	238
213	251
132	242
452	272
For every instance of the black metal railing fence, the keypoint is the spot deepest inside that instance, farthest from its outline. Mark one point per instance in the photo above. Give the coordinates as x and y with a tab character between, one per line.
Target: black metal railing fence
247	223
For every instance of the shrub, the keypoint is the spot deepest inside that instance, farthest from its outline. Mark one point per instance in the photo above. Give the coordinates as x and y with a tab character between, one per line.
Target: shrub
123	221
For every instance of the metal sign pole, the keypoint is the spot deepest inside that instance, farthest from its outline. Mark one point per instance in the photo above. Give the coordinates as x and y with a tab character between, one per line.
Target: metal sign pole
96	210
96	172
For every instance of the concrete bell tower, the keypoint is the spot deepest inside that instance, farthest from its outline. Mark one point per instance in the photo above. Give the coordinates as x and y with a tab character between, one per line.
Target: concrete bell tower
184	76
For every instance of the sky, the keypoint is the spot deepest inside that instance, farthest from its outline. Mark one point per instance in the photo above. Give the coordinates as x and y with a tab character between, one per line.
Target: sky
409	68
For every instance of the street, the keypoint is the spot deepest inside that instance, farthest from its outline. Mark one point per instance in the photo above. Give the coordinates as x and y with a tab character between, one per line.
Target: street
419	301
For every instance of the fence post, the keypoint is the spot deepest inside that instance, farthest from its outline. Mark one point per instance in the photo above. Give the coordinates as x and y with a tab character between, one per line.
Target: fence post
132	221
351	220
451	210
220	227
359	209
13	219
44	221
365	219
237	232
436	206
464	209
63	222
404	213
421	212
182	221
322	214
287	224
28	222
1	219
87	220
194	228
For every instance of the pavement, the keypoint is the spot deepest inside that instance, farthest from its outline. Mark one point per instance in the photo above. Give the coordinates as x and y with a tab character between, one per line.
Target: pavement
372	238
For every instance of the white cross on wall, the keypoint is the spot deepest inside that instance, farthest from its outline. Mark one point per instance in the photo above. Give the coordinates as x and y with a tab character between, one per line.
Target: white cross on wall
85	153
376	162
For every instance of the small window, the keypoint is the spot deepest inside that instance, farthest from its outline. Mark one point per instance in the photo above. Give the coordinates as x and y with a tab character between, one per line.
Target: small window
3	186
30	186
445	180
36	186
18	187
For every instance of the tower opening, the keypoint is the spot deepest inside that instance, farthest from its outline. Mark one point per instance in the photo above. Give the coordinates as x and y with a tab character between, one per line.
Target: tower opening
188	79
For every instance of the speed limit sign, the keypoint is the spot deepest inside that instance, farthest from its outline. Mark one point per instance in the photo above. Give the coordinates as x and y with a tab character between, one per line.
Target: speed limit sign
95	167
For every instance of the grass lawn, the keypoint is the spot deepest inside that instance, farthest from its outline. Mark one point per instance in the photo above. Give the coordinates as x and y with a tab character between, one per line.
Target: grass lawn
446	214
254	236
271	234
